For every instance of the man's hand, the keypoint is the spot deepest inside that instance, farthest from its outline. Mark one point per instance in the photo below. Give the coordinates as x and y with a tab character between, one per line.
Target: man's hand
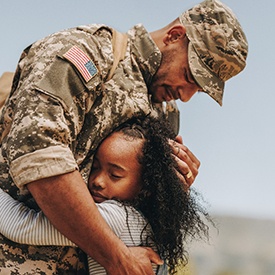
188	164
138	262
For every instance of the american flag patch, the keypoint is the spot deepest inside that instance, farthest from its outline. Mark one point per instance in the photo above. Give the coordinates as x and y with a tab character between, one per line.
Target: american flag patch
82	62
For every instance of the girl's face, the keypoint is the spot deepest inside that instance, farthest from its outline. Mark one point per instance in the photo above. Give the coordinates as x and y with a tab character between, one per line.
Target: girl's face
116	172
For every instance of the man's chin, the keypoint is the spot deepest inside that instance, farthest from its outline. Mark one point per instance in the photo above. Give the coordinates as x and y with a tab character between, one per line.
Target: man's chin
156	98
160	95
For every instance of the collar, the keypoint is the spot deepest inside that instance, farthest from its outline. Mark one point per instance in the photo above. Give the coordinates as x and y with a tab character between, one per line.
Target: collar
145	52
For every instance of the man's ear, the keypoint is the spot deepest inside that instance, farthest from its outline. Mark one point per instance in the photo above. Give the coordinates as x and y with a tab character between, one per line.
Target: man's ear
174	34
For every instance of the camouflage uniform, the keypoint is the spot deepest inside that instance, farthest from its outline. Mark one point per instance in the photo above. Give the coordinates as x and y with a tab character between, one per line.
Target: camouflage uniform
56	117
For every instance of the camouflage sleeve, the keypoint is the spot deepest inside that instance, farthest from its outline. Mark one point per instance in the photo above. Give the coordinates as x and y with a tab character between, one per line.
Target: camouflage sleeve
43	163
39	143
48	111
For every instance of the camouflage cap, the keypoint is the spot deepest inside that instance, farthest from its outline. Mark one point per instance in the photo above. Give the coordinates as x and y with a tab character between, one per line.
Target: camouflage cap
217	48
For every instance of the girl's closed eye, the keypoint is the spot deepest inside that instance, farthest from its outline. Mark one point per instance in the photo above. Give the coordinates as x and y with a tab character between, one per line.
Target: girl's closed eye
116	171
116	175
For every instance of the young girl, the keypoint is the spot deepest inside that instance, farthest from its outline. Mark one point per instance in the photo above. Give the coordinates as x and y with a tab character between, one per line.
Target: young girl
134	181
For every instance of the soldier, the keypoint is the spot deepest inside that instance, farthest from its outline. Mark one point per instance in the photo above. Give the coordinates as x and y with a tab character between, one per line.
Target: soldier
69	92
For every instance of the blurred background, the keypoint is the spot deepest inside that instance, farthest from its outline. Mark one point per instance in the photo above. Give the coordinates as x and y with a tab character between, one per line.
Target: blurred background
235	143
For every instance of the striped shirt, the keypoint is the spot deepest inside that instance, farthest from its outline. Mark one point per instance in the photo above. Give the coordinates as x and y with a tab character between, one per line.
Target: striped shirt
24	225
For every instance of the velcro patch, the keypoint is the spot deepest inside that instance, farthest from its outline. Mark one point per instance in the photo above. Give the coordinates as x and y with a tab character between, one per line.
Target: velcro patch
82	62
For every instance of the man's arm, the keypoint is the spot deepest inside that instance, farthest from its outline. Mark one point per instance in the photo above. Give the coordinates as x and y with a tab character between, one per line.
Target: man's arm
67	203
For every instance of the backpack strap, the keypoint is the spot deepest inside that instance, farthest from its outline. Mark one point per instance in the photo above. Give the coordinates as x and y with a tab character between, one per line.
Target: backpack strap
5	86
119	43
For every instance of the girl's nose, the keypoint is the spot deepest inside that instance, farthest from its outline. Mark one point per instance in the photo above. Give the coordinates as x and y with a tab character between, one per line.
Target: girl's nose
98	181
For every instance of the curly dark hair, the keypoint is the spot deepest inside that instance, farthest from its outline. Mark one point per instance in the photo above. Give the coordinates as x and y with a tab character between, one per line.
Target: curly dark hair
174	213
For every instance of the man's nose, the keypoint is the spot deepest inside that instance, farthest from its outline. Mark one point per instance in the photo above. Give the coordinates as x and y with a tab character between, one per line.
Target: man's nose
187	93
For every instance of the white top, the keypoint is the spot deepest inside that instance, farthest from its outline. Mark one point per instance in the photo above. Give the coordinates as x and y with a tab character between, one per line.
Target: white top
23	225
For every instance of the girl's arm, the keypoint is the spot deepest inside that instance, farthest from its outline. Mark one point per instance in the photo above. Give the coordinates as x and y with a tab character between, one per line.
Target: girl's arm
23	225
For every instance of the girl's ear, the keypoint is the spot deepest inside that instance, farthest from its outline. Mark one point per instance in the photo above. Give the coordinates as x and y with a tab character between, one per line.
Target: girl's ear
174	34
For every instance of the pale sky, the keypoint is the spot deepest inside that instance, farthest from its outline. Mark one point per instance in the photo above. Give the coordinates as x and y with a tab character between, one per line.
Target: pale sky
235	143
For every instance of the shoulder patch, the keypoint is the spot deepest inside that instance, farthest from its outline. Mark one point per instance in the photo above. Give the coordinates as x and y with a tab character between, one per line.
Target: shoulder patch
82	62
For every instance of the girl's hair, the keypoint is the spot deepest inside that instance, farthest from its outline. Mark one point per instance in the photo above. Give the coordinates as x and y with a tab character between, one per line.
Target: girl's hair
172	211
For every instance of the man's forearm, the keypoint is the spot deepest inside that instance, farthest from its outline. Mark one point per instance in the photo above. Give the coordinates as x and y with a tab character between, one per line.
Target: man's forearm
67	203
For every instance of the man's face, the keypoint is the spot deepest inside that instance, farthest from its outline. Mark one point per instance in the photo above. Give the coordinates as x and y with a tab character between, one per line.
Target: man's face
173	79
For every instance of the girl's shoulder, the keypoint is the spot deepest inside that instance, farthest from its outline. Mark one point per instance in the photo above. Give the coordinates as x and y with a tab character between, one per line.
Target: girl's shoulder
126	221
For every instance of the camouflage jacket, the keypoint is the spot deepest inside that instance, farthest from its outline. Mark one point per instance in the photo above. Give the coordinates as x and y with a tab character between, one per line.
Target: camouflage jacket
60	107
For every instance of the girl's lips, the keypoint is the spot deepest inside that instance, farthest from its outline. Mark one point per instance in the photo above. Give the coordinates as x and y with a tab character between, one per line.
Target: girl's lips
98	197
